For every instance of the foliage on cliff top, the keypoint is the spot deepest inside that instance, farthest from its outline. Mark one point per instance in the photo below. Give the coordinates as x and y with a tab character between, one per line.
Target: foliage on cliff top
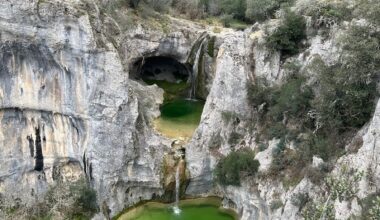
232	13
235	165
288	37
320	121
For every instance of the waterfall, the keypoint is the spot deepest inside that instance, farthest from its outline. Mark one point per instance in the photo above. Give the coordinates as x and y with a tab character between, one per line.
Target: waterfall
176	208
197	49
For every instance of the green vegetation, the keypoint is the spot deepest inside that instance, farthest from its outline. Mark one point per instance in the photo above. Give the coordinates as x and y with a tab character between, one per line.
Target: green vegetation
231	168
258	10
300	200
371	207
288	37
81	200
342	186
345	185
319	116
325	14
233	13
321	209
369	9
348	91
68	200
276	204
211	46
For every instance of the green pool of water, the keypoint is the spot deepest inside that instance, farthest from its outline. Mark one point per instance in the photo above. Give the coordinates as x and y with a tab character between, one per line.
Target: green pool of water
179	118
198	209
205	212
183	110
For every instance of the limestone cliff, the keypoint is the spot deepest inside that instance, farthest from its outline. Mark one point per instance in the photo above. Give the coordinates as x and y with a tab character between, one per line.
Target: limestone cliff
70	107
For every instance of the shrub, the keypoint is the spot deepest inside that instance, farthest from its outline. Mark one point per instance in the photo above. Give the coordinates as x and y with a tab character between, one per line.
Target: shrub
159	5
211	46
321	209
327	13
276	204
292	98
371	207
300	199
259	10
344	185
227	19
236	8
348	89
230	168
278	130
133	3
259	93
85	199
73	200
369	9
288	36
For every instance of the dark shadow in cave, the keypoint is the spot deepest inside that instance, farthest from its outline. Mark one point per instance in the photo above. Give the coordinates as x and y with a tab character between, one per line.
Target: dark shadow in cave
160	68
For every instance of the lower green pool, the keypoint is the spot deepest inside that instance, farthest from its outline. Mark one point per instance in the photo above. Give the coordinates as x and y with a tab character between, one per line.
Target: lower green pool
158	211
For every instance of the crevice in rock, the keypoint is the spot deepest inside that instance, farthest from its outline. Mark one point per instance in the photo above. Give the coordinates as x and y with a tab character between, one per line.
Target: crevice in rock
84	164
39	158
31	145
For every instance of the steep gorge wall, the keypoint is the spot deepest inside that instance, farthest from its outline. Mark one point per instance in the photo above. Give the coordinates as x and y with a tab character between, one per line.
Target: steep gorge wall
66	100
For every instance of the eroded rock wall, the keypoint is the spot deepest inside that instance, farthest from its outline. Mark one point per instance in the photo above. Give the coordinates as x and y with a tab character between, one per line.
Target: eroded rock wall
65	101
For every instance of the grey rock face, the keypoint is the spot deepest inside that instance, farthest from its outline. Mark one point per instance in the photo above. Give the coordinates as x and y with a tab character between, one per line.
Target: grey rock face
63	101
226	109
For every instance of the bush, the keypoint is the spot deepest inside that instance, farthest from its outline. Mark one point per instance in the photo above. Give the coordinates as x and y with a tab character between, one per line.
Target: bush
259	10
288	36
276	204
227	20
133	3
230	168
325	13
85	200
211	46
300	200
74	200
369	9
159	5
345	185
371	207
236	8
348	89
279	104
292	99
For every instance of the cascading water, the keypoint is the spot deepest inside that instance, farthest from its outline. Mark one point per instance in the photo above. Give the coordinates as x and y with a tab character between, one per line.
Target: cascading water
176	208
198	47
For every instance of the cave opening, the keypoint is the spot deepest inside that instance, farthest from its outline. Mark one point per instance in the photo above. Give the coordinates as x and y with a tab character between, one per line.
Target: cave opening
164	69
166	72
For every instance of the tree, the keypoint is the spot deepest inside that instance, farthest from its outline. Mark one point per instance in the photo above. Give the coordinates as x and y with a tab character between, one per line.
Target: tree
287	38
229	169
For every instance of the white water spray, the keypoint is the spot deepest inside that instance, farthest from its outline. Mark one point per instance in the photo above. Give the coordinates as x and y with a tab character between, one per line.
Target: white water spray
176	208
